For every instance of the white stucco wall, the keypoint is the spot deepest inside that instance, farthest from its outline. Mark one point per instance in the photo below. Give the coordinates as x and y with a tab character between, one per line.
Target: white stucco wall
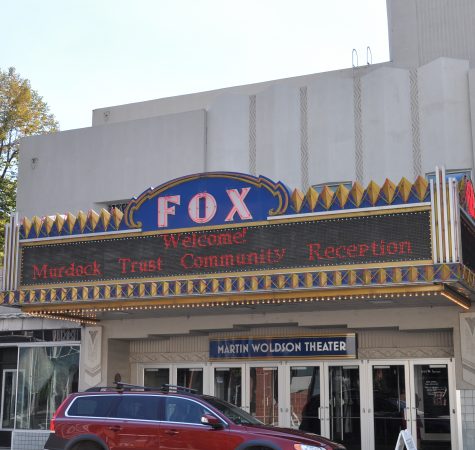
80	169
423	30
363	124
445	122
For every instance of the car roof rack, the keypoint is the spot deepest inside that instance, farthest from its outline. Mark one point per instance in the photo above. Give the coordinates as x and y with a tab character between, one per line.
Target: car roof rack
177	388
121	387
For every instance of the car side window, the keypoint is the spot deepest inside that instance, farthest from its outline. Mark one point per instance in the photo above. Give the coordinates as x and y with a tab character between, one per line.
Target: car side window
138	407
92	406
183	410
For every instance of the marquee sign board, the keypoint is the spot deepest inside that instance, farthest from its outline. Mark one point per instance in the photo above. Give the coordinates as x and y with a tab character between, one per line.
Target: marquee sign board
284	244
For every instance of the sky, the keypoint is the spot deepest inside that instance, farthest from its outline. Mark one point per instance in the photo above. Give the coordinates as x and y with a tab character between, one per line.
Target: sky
80	55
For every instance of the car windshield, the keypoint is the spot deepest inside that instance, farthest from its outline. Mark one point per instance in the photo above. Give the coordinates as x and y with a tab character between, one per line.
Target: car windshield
232	412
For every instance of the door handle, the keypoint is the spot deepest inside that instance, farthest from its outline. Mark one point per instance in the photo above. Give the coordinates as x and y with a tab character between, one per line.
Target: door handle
115	428
171	432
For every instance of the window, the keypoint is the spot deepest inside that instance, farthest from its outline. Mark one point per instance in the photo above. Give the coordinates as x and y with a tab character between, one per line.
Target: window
138	407
46	376
92	406
183	410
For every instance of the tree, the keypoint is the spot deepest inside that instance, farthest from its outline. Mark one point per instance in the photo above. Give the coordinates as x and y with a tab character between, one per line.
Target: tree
22	113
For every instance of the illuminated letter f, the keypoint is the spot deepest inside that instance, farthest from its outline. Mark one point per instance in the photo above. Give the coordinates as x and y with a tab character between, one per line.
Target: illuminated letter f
164	210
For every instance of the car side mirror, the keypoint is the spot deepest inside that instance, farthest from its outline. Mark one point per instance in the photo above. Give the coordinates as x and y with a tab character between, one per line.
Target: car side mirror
212	421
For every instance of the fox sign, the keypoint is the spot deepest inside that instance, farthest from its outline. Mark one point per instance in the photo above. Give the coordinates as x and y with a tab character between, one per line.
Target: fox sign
216	198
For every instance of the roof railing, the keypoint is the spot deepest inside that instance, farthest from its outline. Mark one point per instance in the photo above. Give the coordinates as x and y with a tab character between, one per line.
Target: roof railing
120	386
177	388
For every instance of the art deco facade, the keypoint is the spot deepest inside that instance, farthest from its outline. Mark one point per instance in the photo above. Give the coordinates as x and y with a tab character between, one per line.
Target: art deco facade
375	161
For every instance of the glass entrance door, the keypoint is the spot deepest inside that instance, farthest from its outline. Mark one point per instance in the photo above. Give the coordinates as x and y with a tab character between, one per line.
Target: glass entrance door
186	376
305	398
264	393
156	376
344	412
431	411
228	384
414	396
390	408
324	398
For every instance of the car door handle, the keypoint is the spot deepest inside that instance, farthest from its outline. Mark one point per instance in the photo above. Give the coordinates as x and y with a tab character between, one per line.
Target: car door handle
171	432
115	428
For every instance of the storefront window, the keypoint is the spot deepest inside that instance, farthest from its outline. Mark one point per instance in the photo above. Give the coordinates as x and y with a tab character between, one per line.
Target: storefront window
46	375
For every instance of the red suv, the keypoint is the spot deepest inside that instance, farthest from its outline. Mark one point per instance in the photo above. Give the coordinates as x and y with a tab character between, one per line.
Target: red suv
138	418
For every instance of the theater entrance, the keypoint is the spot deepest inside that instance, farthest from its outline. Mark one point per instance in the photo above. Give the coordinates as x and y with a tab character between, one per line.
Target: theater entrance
413	395
362	404
322	398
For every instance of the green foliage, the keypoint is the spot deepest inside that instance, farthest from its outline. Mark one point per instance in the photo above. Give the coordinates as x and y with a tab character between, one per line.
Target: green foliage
22	113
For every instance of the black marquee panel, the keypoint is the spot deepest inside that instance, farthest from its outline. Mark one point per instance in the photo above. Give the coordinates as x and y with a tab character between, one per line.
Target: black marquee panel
382	238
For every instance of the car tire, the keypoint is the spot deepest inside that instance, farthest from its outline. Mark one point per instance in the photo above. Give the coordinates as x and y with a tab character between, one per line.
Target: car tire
258	446
87	445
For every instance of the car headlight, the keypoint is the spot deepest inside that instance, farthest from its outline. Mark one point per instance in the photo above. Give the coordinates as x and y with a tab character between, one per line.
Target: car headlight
307	447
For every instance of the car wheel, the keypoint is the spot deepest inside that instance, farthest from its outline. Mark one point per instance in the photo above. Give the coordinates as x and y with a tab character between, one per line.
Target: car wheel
87	445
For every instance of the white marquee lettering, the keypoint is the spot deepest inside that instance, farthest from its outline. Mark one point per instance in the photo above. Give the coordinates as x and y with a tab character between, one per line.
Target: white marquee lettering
164	210
203	207
210	207
239	206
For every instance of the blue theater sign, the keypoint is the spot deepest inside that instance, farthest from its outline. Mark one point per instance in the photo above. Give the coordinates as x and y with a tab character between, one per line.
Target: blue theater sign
208	199
306	347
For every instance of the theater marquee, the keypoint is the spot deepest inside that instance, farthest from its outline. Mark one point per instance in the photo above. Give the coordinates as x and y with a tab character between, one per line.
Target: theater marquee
278	245
223	239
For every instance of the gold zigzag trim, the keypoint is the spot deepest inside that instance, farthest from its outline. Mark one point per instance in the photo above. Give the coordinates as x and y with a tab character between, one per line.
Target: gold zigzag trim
43	226
357	193
351	279
113	220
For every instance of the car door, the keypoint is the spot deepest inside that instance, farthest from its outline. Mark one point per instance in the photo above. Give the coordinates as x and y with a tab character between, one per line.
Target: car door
136	425
182	428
